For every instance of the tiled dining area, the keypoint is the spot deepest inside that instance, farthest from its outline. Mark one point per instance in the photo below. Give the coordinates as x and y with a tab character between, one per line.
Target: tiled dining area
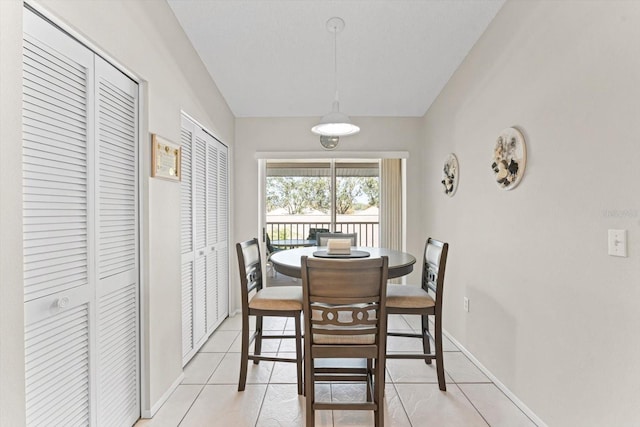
208	394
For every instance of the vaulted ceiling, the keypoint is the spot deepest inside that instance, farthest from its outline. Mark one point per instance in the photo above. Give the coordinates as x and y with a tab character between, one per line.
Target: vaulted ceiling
275	58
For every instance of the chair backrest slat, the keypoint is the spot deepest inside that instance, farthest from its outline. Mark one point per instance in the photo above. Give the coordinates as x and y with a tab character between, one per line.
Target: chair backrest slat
250	267
340	300
362	315
434	266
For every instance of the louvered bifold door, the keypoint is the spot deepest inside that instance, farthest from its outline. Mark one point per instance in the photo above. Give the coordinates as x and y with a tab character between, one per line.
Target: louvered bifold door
186	236
200	237
222	245
205	282
212	233
57	215
117	247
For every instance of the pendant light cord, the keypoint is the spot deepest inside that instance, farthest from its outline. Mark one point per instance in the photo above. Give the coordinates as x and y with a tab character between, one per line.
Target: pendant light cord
335	64
334	124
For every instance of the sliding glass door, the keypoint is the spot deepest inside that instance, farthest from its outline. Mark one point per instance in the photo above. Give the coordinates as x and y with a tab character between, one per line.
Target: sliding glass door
303	196
357	200
298	199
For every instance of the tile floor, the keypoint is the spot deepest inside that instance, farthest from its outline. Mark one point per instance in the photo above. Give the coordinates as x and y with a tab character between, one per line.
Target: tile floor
208	394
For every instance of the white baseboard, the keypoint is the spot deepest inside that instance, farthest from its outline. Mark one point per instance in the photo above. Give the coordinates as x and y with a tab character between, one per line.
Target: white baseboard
519	403
150	413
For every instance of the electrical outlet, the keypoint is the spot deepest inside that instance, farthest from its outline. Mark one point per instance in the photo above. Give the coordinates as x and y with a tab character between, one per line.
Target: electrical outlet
466	304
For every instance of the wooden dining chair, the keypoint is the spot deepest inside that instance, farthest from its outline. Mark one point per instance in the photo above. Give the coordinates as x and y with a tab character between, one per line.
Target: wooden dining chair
313	233
424	301
344	317
271	271
260	301
323	237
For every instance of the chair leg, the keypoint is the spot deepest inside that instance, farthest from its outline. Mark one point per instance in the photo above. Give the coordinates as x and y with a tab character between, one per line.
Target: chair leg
371	374
378	390
439	355
310	393
244	356
299	353
426	342
258	339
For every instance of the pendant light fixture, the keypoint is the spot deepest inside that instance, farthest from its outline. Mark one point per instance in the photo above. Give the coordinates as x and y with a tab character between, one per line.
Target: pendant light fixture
334	124
329	142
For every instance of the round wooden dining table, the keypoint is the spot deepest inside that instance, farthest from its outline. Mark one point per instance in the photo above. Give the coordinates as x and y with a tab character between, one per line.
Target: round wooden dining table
288	262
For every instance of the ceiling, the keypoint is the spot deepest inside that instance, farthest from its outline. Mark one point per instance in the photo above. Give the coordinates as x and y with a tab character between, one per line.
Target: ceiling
274	58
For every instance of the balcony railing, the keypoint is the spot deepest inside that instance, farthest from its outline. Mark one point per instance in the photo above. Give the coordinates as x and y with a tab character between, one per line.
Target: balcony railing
368	232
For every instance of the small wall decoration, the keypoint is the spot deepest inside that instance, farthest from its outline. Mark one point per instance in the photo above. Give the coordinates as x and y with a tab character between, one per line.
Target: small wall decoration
509	158
450	173
165	159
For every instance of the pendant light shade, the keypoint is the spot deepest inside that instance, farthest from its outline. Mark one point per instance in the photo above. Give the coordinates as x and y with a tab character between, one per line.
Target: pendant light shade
335	123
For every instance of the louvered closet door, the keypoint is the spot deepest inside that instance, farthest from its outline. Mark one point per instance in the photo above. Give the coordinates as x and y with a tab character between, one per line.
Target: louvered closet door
205	282
117	247
200	237
186	219
80	234
212	233
58	225
222	246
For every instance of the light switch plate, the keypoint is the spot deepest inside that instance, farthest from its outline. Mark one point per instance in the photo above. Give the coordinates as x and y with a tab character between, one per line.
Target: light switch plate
618	243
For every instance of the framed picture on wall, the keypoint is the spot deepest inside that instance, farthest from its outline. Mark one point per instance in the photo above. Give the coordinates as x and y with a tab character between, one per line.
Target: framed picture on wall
165	158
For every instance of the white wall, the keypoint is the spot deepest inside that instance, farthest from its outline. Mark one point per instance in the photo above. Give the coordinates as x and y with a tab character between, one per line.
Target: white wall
294	134
145	38
551	315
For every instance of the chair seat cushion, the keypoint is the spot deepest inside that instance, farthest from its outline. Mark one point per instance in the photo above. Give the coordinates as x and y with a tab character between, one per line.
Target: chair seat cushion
407	296
278	298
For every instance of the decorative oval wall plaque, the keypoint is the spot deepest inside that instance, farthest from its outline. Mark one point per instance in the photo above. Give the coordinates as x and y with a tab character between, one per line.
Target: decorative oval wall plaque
509	158
450	173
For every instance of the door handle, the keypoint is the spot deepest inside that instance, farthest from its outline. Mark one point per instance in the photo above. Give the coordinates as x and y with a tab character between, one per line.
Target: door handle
62	302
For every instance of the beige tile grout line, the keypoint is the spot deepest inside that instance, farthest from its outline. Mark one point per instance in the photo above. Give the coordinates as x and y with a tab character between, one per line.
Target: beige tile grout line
393	383
266	389
205	382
